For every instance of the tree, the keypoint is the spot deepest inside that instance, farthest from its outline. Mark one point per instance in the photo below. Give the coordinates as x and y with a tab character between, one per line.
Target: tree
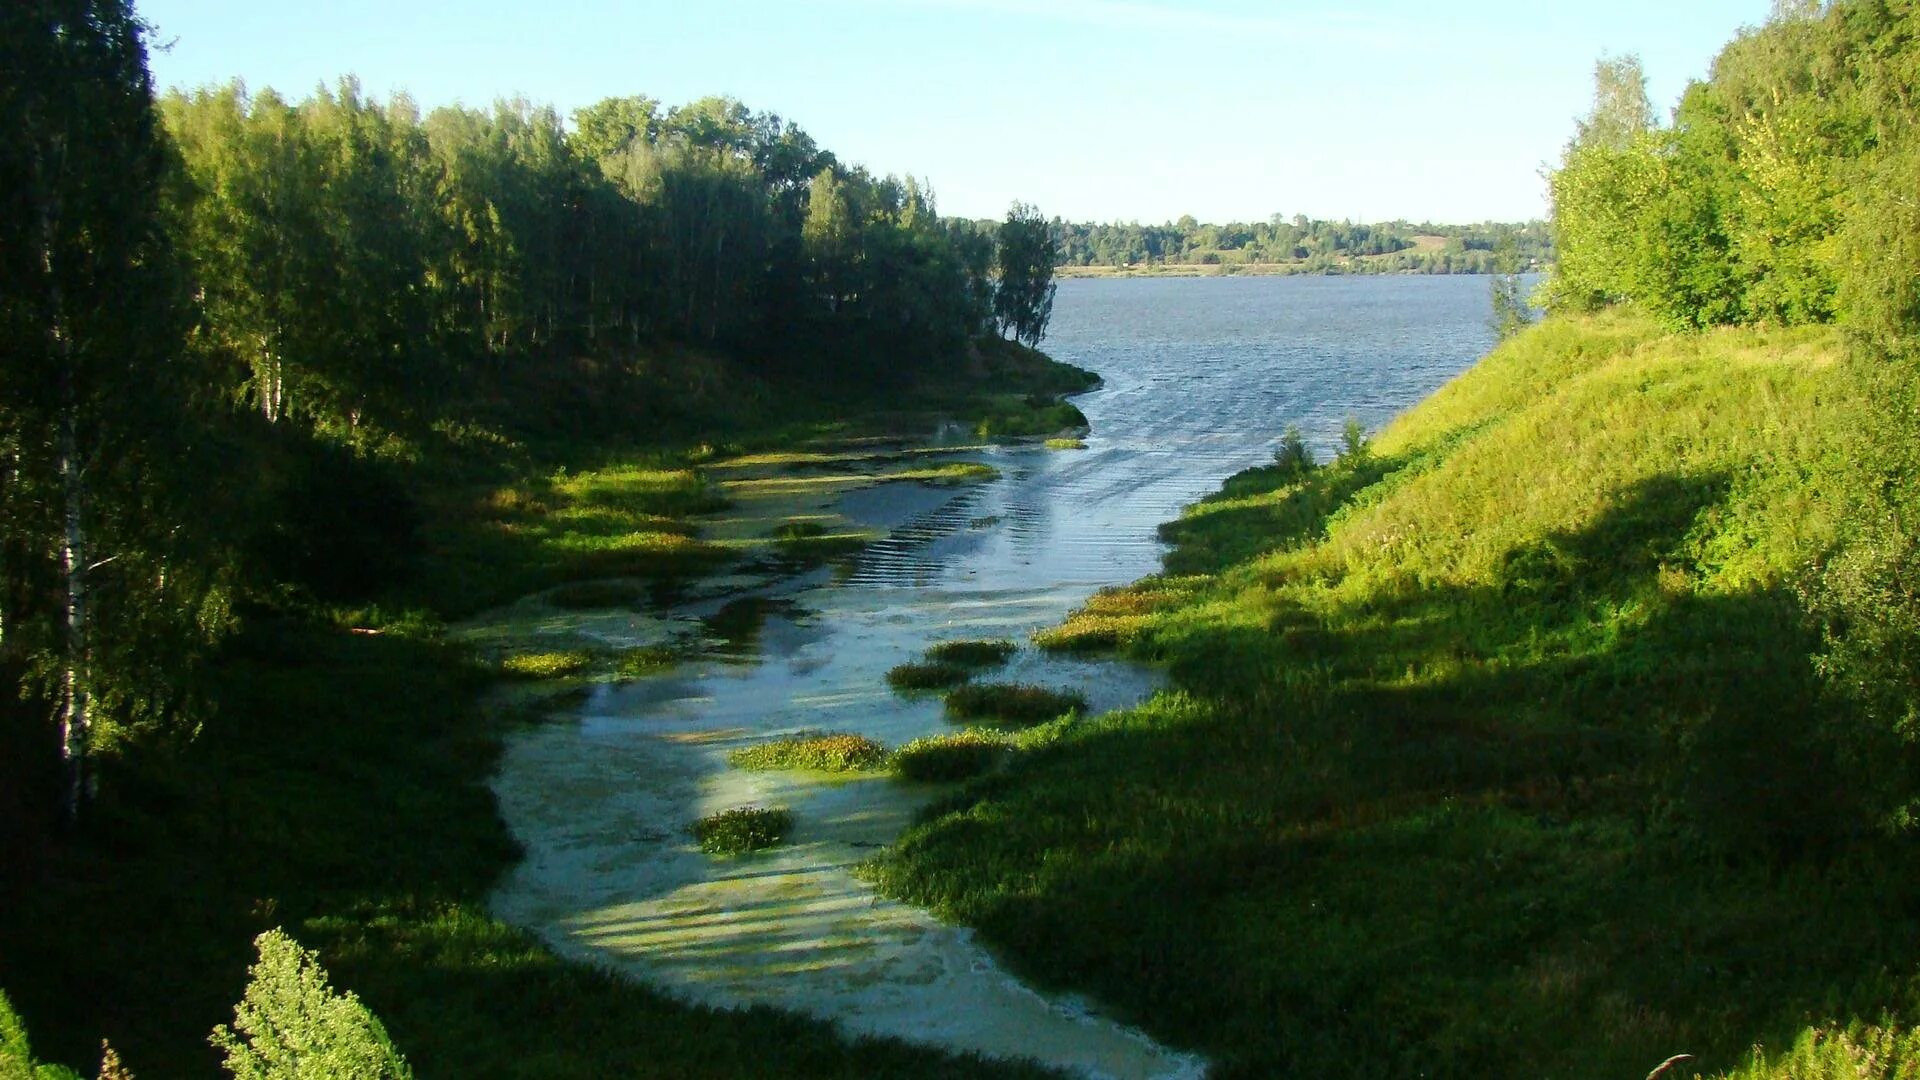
292	1025
94	406
1028	252
1510	311
1621	109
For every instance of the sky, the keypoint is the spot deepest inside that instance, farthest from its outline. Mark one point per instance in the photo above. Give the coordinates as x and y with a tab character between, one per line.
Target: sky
1101	110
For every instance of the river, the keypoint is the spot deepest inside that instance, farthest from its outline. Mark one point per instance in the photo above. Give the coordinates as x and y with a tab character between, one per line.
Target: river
1202	375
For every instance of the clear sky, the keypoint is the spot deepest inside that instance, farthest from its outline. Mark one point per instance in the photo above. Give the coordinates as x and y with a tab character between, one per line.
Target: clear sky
1091	109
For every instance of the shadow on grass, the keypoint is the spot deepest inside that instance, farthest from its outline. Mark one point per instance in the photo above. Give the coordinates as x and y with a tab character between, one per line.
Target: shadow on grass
340	791
1571	825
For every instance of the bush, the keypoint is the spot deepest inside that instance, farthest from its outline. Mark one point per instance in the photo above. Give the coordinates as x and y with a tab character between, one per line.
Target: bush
975	654
942	758
931	675
546	665
291	1025
1292	457
1013	703
16	1056
743	829
820	752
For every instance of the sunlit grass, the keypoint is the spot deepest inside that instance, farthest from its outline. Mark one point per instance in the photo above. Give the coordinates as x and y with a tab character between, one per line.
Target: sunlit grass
959	755
819	753
546	665
1012	703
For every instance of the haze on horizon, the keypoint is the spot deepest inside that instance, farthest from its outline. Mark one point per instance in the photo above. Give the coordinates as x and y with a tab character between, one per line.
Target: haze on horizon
1104	110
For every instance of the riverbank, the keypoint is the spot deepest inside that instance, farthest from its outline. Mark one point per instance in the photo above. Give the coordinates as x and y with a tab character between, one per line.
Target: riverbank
1489	750
339	787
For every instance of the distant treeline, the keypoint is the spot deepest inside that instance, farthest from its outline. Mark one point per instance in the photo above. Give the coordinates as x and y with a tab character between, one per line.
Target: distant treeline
1312	246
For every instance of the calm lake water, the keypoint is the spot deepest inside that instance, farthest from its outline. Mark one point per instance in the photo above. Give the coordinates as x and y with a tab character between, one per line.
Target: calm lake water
1202	375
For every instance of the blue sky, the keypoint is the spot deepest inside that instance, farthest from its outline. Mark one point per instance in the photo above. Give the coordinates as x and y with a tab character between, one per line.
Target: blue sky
1091	109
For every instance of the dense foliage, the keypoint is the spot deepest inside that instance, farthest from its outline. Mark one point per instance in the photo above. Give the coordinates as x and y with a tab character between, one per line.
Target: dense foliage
1781	194
1307	245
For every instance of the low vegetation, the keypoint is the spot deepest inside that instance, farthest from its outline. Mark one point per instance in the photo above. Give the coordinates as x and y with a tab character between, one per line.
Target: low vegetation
546	665
959	755
742	829
1015	704
1496	748
972	653
837	753
920	675
1065	444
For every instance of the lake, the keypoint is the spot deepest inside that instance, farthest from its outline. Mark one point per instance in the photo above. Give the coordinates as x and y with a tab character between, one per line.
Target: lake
1202	375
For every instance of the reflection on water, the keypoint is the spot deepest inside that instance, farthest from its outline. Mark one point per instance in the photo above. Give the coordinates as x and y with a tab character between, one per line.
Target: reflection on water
1201	377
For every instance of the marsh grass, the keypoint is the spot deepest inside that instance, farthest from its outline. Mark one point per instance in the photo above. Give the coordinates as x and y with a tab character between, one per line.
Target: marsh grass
1012	703
546	665
1065	444
1494	751
973	653
921	675
960	755
742	829
831	752
644	660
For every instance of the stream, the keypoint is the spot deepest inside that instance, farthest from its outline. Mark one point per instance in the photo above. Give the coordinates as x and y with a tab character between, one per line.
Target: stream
1201	376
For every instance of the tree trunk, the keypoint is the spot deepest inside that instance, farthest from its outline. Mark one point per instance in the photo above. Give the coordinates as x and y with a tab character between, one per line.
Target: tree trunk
75	720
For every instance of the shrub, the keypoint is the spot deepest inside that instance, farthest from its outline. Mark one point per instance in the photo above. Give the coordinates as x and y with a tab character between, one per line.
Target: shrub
1014	703
958	756
291	1025
976	654
546	665
16	1056
928	675
742	829
821	752
1292	457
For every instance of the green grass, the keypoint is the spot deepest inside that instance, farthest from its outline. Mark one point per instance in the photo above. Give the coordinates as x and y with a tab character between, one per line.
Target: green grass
1065	444
959	755
645	660
821	753
743	829
1012	703
546	665
916	675
972	653
1498	752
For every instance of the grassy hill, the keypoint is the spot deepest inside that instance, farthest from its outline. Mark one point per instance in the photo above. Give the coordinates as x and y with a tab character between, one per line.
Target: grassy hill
1494	750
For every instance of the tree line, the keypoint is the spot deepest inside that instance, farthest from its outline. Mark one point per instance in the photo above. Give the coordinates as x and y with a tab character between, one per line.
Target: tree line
1780	192
229	318
1307	244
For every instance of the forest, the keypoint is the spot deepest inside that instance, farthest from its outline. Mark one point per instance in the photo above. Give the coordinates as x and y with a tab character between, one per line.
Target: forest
1308	246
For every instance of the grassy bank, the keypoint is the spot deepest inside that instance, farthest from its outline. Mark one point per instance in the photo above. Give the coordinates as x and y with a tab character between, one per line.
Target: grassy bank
338	786
1496	750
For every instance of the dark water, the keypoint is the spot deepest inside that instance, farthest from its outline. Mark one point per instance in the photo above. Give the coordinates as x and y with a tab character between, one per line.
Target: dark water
1201	378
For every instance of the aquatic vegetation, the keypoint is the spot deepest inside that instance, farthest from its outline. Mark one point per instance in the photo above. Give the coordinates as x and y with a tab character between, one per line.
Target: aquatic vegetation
830	752
972	653
1012	703
1110	619
928	675
588	595
959	755
742	829
1065	444
646	660
546	665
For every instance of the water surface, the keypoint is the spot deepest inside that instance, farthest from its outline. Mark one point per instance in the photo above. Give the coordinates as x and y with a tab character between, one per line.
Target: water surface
1202	375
